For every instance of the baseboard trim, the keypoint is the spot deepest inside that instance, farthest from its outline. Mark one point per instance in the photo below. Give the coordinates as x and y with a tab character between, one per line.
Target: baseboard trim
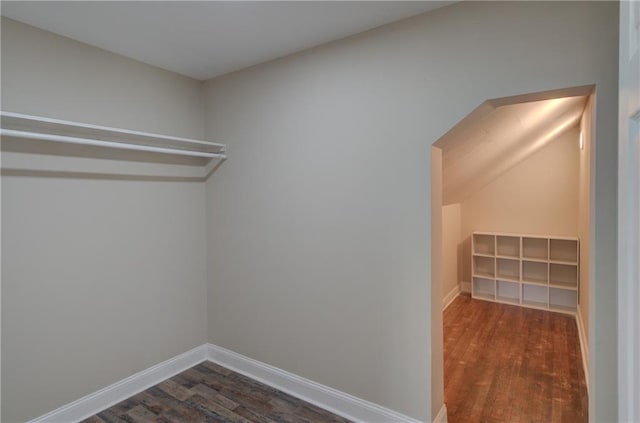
337	402
104	398
584	346
452	295
441	417
465	287
340	403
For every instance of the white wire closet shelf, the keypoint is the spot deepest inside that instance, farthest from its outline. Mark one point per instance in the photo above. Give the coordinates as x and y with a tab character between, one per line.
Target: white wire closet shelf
30	127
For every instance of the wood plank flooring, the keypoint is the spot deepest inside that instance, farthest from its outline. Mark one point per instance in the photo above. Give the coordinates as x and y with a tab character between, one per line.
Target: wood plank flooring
511	364
211	393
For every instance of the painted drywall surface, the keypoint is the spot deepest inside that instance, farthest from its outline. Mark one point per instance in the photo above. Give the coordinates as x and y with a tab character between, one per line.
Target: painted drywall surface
451	247
538	196
319	223
101	278
584	207
44	74
436	361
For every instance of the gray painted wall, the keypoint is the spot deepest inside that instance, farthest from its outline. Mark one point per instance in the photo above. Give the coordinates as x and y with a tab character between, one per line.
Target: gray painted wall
319	225
101	278
48	75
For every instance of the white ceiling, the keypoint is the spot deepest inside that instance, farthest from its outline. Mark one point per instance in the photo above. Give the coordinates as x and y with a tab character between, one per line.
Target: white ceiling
494	138
206	39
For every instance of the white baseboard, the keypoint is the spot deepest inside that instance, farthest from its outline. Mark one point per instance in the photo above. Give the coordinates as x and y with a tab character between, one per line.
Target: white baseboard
104	398
337	402
465	287
584	346
340	403
452	295
441	417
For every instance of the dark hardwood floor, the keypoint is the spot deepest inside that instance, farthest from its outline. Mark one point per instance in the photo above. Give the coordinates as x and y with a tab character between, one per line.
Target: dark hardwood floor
511	364
211	393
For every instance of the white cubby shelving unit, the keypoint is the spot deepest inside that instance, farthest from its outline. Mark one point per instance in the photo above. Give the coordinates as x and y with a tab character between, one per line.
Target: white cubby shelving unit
40	129
527	270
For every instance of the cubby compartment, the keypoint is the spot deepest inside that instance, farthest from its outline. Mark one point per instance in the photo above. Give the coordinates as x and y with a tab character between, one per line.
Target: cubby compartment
563	275
508	246
534	271
484	244
535	296
484	288
483	266
563	250
563	299
508	292
535	248
508	269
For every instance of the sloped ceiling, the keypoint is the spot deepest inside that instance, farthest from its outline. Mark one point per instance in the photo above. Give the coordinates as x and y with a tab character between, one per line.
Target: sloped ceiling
497	136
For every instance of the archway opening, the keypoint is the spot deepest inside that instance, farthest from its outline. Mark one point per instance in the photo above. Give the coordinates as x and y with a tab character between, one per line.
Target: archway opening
512	191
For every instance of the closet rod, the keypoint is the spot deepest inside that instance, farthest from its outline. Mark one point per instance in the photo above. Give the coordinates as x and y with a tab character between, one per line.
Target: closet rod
109	144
